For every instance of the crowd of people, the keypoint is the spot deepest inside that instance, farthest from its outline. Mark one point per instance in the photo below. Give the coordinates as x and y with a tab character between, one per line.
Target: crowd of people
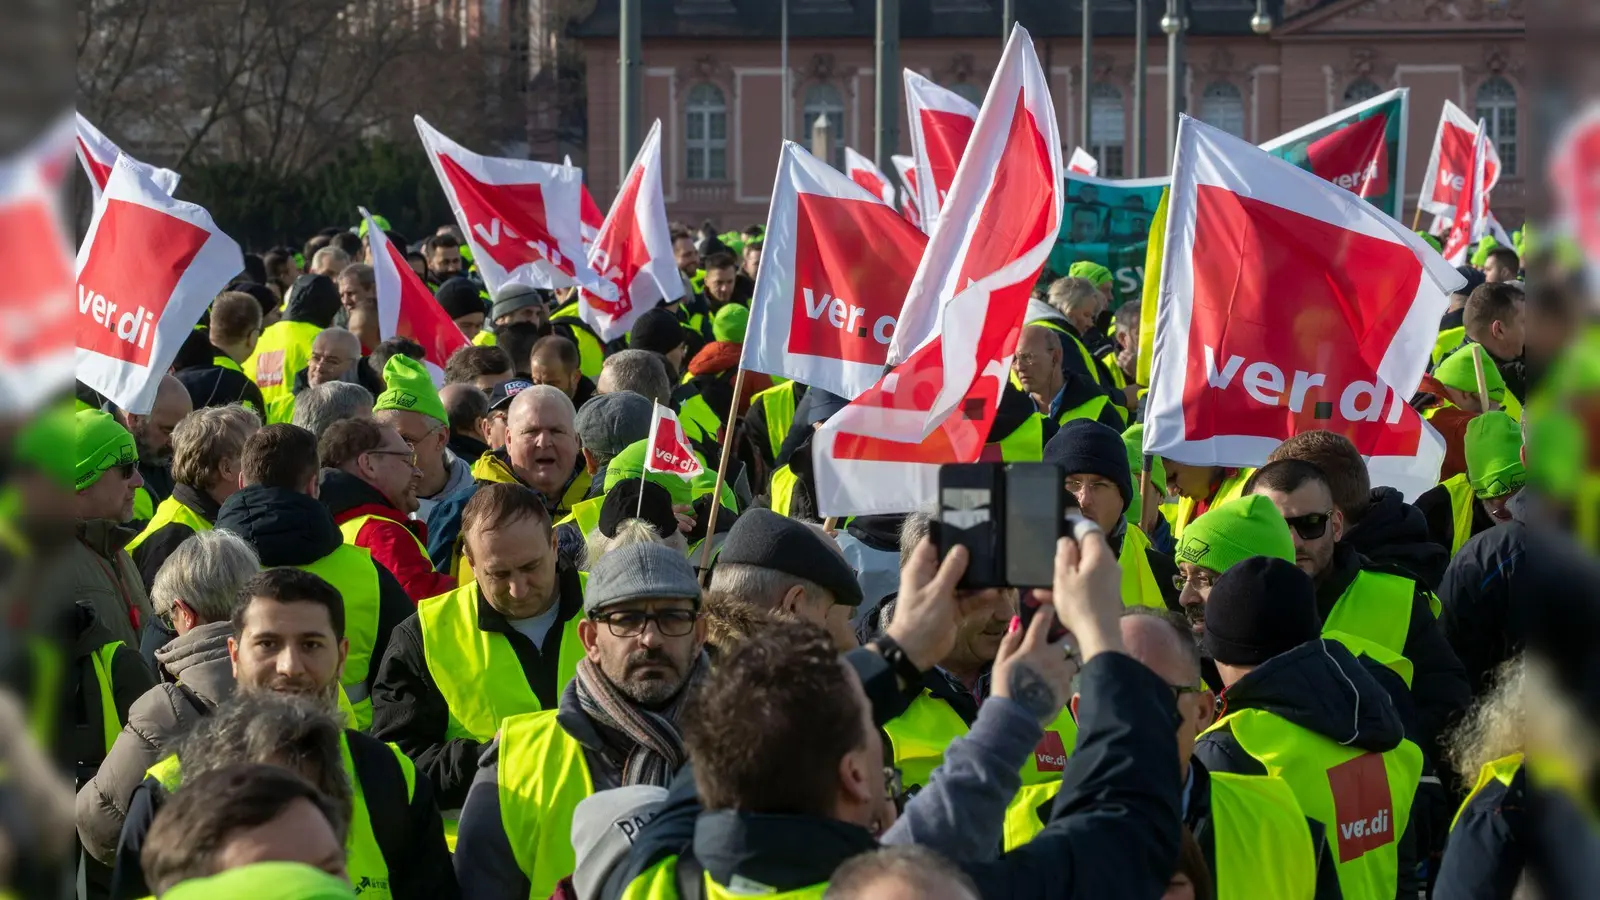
340	632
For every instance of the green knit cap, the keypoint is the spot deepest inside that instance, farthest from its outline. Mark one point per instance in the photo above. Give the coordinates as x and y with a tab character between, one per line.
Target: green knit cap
1494	455
38	443
1234	532
1480	255
1134	439
1431	241
378	220
1091	270
410	388
730	322
1456	371
264	881
102	444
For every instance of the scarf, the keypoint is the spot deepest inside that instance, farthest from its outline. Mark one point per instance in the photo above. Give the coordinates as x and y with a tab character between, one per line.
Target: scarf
649	739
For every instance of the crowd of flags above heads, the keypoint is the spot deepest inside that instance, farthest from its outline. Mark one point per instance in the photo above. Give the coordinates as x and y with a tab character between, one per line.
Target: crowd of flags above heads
909	301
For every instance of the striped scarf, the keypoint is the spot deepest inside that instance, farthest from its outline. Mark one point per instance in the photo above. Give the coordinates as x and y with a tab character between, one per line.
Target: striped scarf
649	738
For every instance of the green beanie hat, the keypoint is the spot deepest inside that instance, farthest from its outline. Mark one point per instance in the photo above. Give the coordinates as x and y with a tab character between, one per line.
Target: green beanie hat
1494	455
630	462
1134	439
1235	531
410	388
102	444
729	324
1456	371
38	443
1431	241
264	881
380	221
1481	254
1091	270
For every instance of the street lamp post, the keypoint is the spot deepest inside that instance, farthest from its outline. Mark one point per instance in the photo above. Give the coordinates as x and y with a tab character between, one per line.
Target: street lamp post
632	86
1141	42
1174	24
886	79
783	63
1008	17
1086	66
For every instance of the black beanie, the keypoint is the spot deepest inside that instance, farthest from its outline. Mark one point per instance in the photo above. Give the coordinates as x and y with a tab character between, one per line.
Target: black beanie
1259	608
623	503
1085	446
313	299
657	331
459	297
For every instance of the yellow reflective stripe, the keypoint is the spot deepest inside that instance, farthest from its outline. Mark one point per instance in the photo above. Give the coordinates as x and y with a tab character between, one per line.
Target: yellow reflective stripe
1383	656
543	777
1262	846
167	512
109	720
1502	770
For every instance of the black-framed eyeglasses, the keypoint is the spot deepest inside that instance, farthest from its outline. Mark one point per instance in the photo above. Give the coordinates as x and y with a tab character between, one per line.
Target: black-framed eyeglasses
1311	525
1179	690
1201	581
408	455
631	623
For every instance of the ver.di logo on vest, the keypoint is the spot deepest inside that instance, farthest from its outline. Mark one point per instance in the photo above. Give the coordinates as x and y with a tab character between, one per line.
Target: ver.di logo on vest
1363	808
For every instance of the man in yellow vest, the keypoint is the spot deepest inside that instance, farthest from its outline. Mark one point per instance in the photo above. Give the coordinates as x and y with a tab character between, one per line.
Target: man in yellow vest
1300	707
152	435
1200	489
214	376
505	642
285	347
1094	461
1059	394
206	450
772	413
1383	605
616	725
278	514
369	485
1478	499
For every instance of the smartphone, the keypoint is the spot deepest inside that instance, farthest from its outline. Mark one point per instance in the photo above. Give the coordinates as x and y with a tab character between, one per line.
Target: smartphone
1033	515
971	515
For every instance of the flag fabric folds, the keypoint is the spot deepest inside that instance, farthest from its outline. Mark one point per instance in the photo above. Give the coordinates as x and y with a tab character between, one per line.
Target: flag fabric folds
632	254
406	308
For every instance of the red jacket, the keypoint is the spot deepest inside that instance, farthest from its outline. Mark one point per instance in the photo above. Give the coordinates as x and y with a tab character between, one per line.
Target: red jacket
395	541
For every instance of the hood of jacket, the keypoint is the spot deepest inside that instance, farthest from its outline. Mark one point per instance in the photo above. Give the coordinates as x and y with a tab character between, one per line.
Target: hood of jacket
345	495
878	532
199	659
105	537
1040	311
1395	533
780	852
1321	687
287	528
313	299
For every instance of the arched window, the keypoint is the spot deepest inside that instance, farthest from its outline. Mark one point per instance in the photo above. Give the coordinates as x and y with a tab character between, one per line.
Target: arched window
1497	107
824	100
1107	128
968	92
705	134
1359	90
1222	106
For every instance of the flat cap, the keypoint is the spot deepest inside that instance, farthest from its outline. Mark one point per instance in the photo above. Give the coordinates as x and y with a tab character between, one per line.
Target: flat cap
763	538
640	572
608	423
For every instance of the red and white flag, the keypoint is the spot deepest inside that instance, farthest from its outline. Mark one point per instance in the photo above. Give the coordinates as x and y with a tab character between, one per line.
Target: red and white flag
36	328
910	206
1082	163
98	154
835	268
941	124
1451	162
633	252
1471	202
590	218
866	173
670	450
1574	160
1237	370
147	270
406	308
964	310
519	216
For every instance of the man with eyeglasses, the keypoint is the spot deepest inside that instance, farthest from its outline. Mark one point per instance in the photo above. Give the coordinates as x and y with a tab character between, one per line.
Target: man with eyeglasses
1059	393
411	405
1227	534
104	576
1095	462
616	725
369	484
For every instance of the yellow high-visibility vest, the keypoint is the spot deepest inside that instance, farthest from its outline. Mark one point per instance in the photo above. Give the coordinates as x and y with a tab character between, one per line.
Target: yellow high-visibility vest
543	777
1139	587
1231	488
282	352
354	575
167	512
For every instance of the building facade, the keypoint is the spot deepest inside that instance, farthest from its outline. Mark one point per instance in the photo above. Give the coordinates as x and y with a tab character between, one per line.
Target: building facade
712	76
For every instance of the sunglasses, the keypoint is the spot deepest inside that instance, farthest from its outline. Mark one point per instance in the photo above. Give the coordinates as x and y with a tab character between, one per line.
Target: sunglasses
126	470
1311	525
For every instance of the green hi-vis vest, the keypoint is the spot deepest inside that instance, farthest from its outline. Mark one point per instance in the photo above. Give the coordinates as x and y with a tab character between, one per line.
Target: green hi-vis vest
485	338
1025	443
167	512
1089	409
660	882
47	664
363	857
1118	380
1376	606
352	528
1462	504
919	736
585	515
353	573
101	661
1502	770
1383	656
1448	342
144	505
1362	799
543	778
1262	844
1230	489
700	422
1083	352
478	671
283	350
778	406
780	492
1139	587
591	353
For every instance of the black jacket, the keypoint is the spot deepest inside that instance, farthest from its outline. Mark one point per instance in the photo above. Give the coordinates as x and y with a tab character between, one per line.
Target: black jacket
755	429
410	838
1480	617
409	711
155	549
288	528
1489	845
1435	506
1311	686
1197	817
1439	683
210	384
1394	533
1114	831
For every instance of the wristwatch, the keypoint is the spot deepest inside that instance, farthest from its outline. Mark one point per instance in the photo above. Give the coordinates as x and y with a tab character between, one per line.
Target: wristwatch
895	656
